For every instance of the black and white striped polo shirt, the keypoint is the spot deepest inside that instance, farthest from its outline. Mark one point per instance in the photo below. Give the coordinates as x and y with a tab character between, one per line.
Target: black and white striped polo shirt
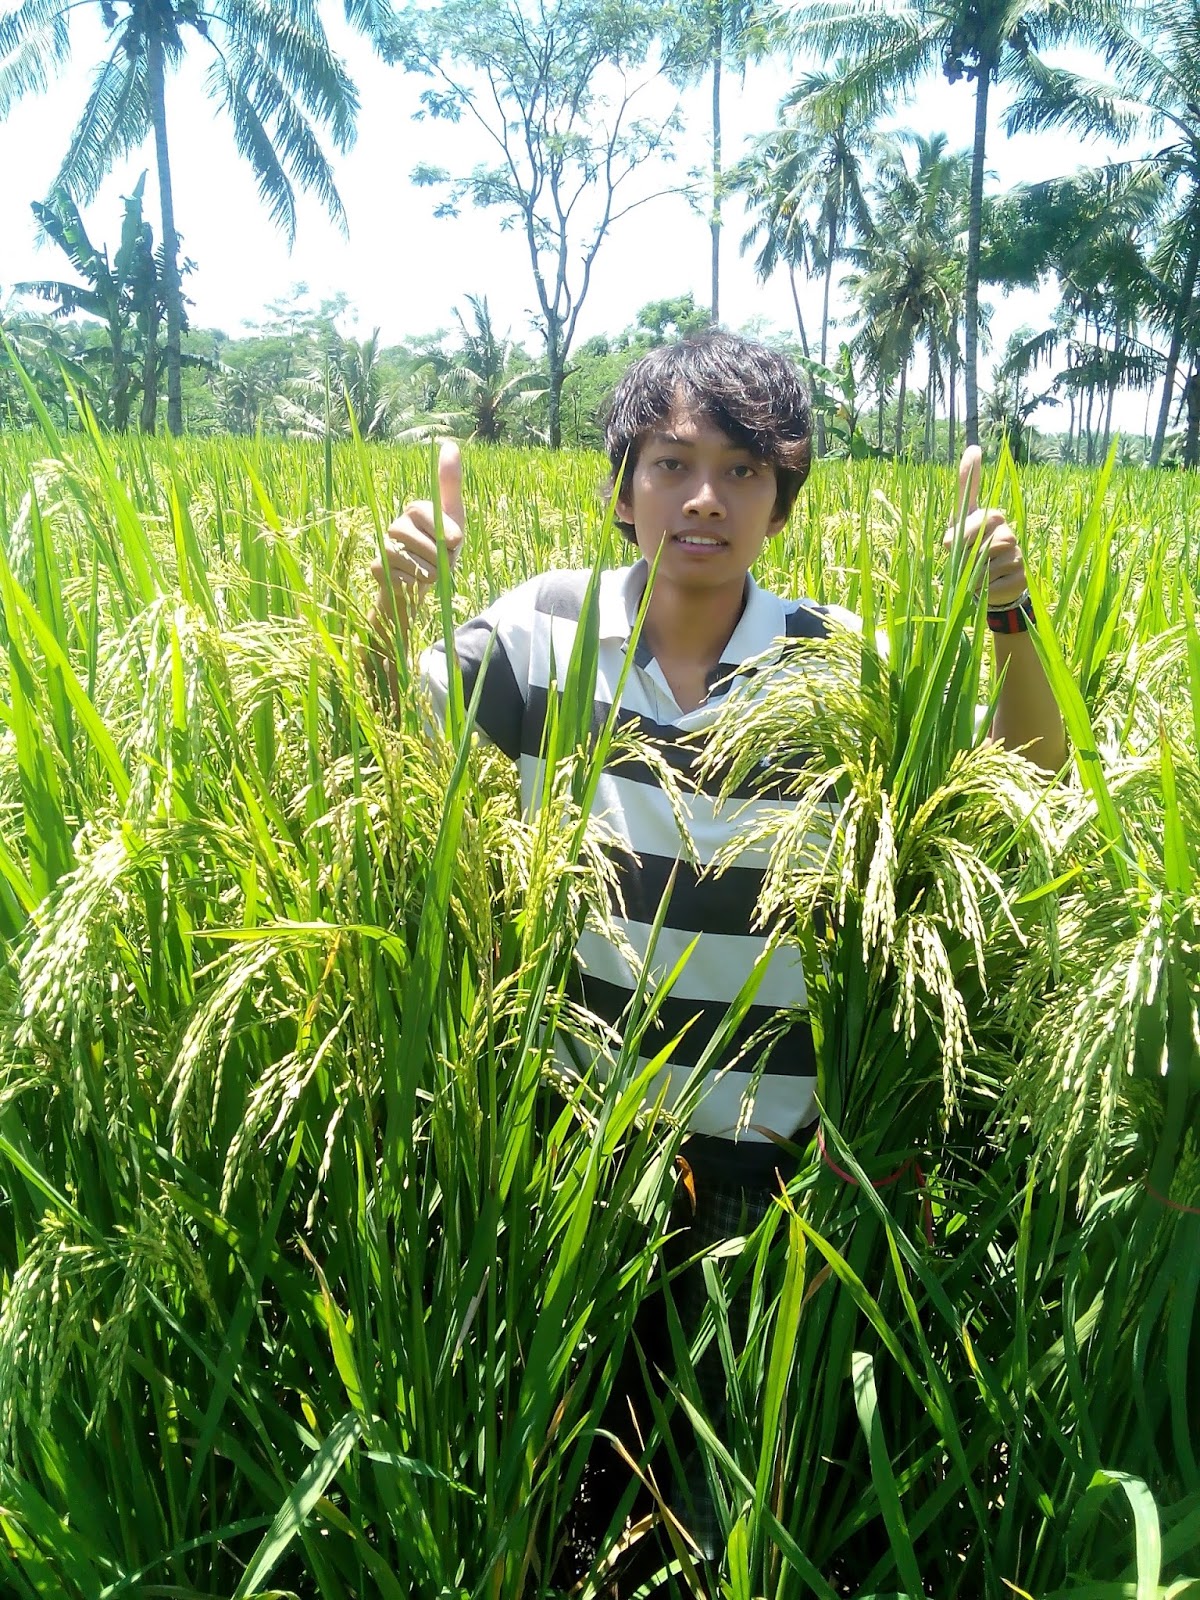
770	1086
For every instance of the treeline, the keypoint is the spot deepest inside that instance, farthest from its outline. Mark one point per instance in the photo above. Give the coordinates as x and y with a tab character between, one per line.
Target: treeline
295	374
895	226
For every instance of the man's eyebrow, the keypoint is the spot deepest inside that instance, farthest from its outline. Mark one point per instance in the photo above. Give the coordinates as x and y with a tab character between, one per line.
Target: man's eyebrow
661	437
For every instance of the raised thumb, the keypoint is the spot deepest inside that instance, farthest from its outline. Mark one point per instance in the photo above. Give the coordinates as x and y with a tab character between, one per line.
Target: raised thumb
450	484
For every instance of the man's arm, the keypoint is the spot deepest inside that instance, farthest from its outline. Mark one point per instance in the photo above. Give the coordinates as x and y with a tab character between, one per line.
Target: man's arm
407	570
1027	714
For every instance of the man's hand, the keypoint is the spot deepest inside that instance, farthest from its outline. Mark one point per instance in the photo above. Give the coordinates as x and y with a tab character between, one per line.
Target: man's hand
1027	714
1001	565
408	568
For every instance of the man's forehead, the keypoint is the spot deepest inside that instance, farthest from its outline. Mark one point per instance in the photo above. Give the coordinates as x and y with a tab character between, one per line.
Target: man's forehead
685	426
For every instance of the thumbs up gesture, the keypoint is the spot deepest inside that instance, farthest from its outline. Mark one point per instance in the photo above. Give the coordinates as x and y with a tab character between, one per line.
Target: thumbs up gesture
986	532
408	566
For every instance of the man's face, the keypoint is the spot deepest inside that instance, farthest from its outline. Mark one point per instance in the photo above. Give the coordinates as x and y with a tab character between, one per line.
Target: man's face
708	501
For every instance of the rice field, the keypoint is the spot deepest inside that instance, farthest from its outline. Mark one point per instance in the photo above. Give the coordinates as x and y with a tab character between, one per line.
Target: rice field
314	1283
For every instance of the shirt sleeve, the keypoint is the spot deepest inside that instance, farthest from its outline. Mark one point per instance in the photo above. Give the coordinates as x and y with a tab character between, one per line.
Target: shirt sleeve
495	644
843	617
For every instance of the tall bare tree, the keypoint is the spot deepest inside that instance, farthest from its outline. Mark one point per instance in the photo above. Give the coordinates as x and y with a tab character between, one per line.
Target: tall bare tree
553	85
713	36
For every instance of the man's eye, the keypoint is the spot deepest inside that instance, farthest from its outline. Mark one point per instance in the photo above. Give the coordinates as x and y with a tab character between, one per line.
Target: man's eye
743	469
670	463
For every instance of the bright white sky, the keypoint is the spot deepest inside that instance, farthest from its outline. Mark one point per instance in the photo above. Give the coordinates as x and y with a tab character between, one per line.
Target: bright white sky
403	270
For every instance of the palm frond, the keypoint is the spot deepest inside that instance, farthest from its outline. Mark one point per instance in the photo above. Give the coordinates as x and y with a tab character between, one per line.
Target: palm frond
115	120
282	53
1055	97
34	42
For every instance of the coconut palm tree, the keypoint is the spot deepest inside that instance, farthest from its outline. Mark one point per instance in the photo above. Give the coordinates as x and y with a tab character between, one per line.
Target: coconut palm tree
1093	232
272	72
807	179
1171	303
1156	91
46	355
910	271
927	205
487	376
1009	407
908	294
785	230
349	391
896	42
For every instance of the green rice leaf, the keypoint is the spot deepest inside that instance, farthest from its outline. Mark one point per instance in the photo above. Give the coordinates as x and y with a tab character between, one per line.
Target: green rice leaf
299	1505
862	1371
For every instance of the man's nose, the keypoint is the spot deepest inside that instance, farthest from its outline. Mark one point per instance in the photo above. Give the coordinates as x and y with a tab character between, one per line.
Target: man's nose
705	499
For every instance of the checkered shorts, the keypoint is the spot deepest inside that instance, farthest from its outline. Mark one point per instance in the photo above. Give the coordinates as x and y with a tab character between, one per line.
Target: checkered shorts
726	1192
732	1189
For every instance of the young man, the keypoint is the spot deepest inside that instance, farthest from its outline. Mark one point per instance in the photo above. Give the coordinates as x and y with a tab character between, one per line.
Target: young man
713	436
711	439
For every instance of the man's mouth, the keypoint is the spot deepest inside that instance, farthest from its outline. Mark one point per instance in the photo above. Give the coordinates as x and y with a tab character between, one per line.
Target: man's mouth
698	541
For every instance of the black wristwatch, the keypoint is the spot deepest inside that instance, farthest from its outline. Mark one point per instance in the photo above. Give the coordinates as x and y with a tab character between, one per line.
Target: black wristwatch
1014	618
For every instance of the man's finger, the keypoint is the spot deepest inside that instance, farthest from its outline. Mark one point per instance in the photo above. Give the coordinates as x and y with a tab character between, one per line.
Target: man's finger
450	484
970	475
412	543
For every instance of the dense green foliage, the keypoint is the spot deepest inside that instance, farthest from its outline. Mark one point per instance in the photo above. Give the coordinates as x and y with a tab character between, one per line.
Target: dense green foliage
307	1285
271	71
898	233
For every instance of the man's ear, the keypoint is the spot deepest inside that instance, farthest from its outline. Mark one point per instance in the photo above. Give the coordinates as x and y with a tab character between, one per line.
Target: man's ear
777	525
624	504
624	500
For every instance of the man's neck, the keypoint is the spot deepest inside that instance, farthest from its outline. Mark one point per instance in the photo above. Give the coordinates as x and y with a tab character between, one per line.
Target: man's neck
691	628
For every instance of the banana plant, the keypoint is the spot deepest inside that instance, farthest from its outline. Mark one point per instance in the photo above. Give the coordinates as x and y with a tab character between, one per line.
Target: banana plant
125	295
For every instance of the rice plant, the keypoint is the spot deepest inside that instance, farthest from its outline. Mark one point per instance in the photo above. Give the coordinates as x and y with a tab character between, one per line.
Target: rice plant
315	1275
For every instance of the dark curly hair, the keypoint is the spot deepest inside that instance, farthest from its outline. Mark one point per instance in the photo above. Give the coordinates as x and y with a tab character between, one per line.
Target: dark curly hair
753	394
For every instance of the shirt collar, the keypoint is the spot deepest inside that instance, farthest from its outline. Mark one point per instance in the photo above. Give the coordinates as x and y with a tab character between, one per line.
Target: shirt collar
621	590
761	624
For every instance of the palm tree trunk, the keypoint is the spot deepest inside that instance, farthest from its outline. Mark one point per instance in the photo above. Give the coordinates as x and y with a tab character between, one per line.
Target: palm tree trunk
1112	396
156	84
899	448
953	394
148	327
831	243
1095	412
1182	311
717	49
935	387
799	313
1191	438
974	230
1146	423
1091	411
